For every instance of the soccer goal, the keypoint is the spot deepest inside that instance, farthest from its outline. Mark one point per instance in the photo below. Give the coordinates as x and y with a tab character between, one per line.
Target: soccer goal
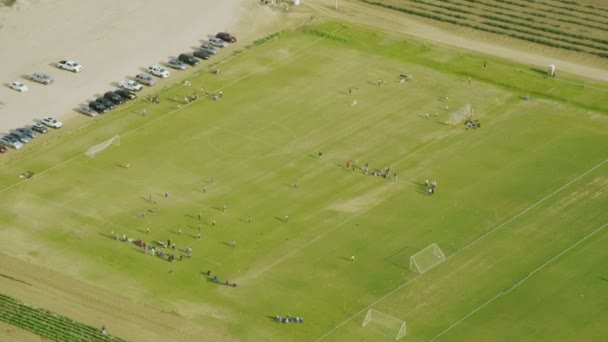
100	147
426	259
461	114
384	324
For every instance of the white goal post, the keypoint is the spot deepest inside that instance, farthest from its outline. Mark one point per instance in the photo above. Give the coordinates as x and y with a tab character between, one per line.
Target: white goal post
384	324
426	259
91	152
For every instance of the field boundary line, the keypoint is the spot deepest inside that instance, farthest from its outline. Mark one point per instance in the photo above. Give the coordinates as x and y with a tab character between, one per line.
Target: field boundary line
462	249
504	293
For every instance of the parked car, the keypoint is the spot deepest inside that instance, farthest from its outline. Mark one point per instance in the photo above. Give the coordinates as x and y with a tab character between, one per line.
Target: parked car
189	59
39	128
41	77
98	107
21	137
209	48
130	85
27	132
125	94
146	79
106	102
87	110
70	66
11	142
202	54
158	70
227	37
52	122
112	96
3	148
176	64
217	42
18	86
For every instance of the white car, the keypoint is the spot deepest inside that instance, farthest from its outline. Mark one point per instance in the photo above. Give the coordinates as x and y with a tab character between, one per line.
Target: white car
52	122
218	42
146	79
158	70
19	86
70	66
130	85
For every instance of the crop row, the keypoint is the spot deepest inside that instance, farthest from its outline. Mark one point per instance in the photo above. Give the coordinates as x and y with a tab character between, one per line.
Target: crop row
549	30
506	30
47	324
522	24
539	13
557	9
574	9
524	31
508	12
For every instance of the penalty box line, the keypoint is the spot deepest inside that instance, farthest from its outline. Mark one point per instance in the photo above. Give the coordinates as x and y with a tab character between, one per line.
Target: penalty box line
465	247
504	293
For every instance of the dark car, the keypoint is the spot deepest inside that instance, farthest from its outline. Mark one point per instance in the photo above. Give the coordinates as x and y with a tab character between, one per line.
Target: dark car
106	102
114	97
125	94
40	128
27	132
202	54
227	37
98	107
188	59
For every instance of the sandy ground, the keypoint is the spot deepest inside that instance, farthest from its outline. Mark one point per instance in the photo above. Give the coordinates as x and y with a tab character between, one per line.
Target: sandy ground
112	39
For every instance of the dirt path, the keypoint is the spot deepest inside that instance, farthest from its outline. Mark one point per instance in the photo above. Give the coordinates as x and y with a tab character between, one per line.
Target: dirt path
40	287
527	53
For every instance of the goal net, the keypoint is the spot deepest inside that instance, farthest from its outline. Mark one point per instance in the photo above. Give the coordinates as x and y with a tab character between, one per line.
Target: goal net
100	147
426	259
384	324
460	115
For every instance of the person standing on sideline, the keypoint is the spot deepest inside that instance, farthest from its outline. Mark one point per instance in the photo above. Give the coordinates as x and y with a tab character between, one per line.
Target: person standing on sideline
198	236
166	194
233	243
213	223
352	258
286	218
426	183
200	216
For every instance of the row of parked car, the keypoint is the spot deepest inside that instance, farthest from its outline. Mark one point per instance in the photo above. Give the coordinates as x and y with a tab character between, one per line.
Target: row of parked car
129	87
108	101
45	78
20	136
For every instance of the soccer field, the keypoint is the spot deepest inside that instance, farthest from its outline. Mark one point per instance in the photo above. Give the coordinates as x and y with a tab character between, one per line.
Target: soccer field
519	211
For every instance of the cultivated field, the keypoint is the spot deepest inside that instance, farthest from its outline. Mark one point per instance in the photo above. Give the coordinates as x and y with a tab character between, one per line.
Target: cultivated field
571	26
519	210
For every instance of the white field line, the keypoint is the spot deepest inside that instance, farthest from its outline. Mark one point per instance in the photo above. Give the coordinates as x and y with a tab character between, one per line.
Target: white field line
461	249
173	111
504	293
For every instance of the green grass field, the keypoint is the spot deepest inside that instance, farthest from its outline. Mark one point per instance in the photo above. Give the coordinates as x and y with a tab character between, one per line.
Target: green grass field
512	195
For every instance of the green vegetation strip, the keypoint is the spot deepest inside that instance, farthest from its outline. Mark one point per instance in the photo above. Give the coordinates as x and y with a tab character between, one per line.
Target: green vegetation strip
47	324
